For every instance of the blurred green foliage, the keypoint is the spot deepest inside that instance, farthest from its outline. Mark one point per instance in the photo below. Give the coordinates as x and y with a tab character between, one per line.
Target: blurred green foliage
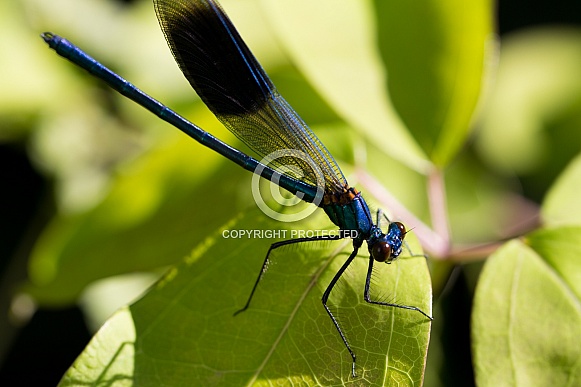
395	89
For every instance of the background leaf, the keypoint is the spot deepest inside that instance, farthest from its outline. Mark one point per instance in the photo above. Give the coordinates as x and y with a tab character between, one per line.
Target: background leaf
562	205
185	332
561	249
160	191
436	55
526	321
347	73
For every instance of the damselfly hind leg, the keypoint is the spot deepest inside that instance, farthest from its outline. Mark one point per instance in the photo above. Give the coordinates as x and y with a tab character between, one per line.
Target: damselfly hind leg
275	246
325	298
368	299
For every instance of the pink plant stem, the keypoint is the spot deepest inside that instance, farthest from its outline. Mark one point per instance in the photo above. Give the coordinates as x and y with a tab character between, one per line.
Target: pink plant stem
433	243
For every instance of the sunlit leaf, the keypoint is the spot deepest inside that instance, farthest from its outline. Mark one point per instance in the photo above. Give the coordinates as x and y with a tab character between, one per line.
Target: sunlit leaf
436	54
562	205
183	331
526	321
334	46
561	250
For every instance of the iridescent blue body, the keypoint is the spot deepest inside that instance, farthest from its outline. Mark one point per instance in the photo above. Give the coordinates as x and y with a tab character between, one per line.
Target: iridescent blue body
231	82
350	212
352	215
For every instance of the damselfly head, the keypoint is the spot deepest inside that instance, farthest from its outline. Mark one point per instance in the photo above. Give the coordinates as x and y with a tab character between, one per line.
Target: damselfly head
387	247
400	227
381	252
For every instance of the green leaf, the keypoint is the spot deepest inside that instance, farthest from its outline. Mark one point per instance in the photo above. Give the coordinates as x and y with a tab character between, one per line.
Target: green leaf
526	320
562	205
436	54
561	250
183	332
98	367
334	47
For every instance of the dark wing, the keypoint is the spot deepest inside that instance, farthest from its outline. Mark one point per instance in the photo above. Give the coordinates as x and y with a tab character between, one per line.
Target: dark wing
231	82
